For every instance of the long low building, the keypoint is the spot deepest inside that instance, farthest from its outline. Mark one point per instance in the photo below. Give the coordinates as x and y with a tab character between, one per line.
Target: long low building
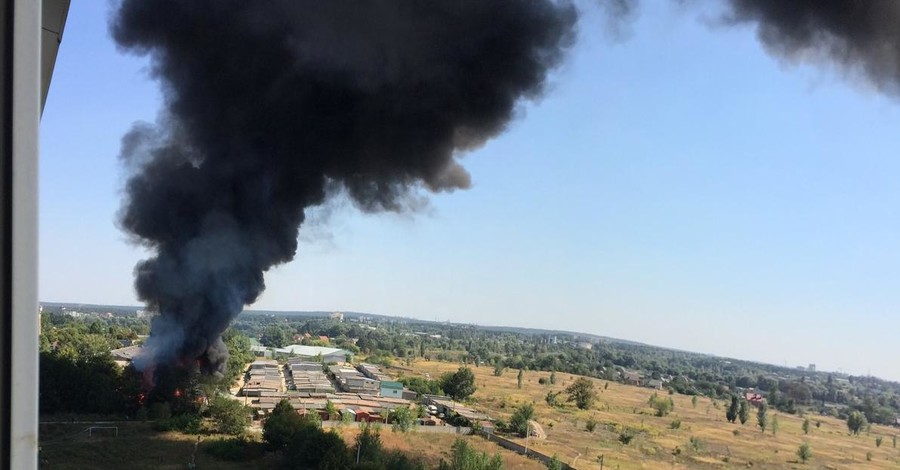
307	377
313	353
264	379
353	381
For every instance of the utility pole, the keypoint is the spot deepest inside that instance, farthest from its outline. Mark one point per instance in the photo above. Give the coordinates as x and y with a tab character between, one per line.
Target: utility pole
601	461
527	433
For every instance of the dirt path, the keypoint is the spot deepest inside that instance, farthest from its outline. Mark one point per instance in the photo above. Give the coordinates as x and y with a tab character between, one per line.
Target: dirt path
537	430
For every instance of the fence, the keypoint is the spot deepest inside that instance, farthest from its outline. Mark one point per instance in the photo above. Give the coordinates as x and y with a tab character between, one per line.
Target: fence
461	430
520	449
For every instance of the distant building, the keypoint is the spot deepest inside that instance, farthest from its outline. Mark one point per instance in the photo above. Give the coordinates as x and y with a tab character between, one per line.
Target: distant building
631	378
124	356
754	398
584	345
310	352
654	383
811	368
337	316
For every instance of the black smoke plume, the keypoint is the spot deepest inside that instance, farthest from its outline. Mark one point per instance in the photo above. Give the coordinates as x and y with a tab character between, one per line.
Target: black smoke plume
863	36
271	105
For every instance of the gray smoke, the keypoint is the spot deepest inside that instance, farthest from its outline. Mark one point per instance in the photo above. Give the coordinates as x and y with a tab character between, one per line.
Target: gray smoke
270	105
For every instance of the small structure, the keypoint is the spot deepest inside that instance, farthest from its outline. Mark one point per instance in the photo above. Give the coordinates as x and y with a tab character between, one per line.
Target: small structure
655	384
631	378
391	389
754	398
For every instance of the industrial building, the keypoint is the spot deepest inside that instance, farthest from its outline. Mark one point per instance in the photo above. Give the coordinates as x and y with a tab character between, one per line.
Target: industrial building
264	379
307	377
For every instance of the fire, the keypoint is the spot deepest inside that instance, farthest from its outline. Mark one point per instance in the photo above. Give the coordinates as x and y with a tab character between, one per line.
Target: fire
141	398
178	393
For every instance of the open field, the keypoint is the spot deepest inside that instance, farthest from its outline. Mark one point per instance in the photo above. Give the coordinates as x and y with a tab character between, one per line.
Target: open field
138	447
432	447
621	406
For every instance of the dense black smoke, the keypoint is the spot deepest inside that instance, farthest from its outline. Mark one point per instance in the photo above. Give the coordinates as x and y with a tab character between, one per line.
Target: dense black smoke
861	35
271	105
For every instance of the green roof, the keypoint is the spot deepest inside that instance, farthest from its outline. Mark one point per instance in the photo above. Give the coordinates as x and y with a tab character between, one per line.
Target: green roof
394	385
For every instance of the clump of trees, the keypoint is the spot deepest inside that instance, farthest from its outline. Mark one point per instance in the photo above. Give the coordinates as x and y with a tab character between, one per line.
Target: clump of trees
305	445
518	423
464	457
856	422
662	405
582	393
459	385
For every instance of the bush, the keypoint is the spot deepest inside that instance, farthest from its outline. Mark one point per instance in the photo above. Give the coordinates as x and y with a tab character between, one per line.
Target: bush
695	443
869	456
231	416
627	435
187	423
878	441
234	449
804	452
675	424
518	423
590	424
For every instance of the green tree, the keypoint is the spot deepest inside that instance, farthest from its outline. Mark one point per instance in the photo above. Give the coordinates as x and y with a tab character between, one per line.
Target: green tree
552	398
403	419
805	426
694	401
230	416
662	405
459	385
554	463
313	448
519	379
274	337
498	369
856	422
744	412
368	443
582	393
804	452
775	425
762	418
331	410
732	413
464	457
878	440
553	377
518	423
281	425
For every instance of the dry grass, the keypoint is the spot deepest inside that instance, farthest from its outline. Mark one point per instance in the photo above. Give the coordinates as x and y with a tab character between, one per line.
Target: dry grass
138	447
622	406
432	447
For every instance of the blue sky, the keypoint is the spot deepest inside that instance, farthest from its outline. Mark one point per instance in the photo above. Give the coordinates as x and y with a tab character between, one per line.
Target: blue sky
679	187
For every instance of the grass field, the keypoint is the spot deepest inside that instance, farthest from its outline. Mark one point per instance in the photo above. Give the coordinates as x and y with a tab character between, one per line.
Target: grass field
139	447
621	406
